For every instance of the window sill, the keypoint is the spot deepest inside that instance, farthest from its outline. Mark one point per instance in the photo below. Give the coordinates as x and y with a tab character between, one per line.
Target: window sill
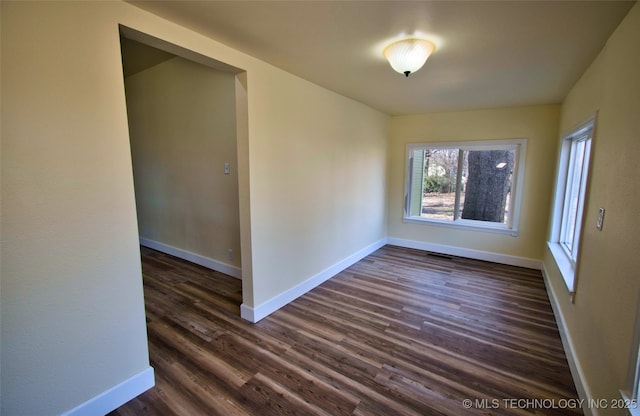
567	270
465	225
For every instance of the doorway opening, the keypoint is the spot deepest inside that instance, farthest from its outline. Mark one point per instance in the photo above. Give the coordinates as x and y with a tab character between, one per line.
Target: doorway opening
187	117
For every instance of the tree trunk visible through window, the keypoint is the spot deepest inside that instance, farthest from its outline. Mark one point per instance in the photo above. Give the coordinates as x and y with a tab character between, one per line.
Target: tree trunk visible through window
488	185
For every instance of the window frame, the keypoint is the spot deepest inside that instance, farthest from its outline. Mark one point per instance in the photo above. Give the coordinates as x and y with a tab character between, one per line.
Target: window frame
511	227
631	392
566	258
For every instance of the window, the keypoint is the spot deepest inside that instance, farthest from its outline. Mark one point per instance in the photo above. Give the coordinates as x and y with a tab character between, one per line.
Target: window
571	185
631	392
473	185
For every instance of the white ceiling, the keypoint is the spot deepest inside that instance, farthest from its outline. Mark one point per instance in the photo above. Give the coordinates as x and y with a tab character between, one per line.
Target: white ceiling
489	54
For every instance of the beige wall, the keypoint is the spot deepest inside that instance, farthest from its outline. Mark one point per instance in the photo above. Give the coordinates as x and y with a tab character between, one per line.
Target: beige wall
539	124
318	180
72	312
182	129
311	185
600	323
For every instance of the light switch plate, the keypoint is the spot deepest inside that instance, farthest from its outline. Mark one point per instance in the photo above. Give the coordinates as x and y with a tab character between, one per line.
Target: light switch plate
600	221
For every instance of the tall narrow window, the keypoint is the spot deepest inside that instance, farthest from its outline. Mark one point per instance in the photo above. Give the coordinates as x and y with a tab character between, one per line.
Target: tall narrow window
574	195
571	186
631	391
466	185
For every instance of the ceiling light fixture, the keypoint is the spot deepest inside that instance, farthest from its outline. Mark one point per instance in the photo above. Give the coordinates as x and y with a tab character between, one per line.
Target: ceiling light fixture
408	55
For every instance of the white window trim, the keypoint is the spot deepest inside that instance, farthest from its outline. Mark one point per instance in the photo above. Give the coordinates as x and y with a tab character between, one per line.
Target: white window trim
566	264
511	228
631	393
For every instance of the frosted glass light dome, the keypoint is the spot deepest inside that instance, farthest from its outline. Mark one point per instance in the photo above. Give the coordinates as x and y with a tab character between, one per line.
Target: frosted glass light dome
408	55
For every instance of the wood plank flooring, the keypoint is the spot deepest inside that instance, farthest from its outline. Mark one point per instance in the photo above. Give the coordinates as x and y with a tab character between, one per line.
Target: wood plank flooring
402	332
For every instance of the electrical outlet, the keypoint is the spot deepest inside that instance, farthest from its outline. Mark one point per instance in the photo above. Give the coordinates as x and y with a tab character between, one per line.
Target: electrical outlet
600	221
227	169
230	254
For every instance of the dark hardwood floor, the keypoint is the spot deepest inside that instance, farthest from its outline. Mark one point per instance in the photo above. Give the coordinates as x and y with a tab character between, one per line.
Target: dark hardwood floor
402	332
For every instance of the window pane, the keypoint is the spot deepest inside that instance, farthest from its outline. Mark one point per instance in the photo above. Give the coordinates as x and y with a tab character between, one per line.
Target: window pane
487	185
465	184
570	217
441	169
462	186
417	160
568	205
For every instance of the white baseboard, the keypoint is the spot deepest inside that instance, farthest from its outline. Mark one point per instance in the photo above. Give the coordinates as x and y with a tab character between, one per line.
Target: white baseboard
116	396
266	308
193	258
574	363
247	313
468	253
